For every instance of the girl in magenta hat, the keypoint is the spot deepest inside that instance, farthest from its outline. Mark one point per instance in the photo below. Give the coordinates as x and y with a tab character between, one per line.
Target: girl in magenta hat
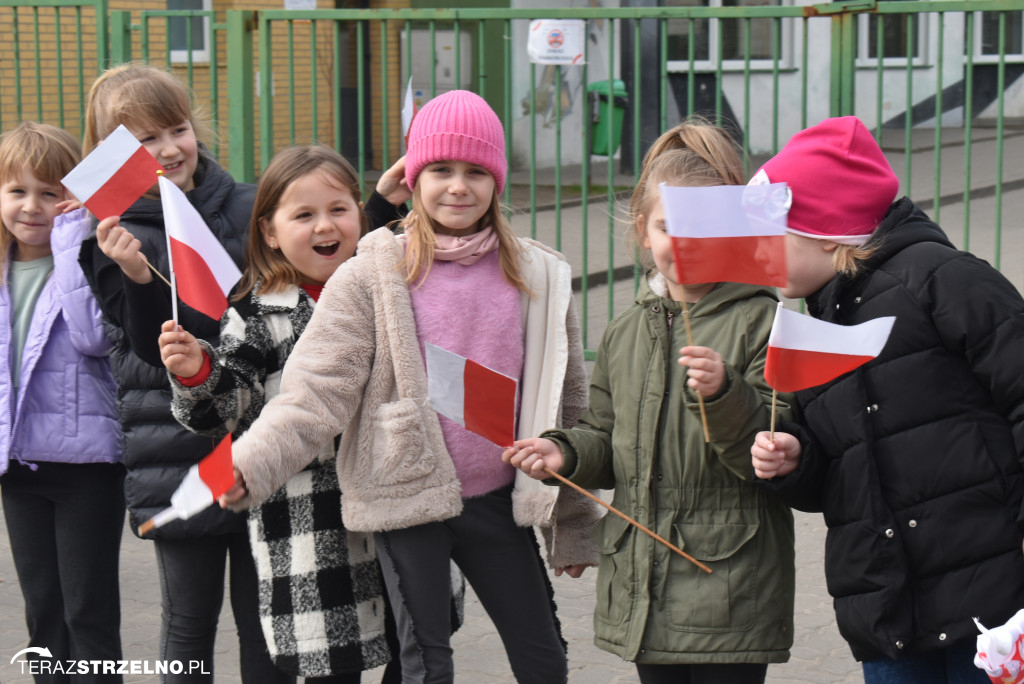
433	492
915	457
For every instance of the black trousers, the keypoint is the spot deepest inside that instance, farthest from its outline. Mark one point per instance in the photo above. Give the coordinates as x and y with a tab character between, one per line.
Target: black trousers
65	521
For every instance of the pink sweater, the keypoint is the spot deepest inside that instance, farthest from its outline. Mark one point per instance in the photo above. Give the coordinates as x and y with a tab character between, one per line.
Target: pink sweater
474	312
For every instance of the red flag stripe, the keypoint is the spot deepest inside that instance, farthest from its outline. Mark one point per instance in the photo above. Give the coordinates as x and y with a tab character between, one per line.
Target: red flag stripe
197	285
790	370
216	470
757	260
489	403
125	186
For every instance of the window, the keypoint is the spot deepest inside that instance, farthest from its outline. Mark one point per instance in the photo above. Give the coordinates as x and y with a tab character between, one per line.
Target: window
708	35
177	30
897	30
986	36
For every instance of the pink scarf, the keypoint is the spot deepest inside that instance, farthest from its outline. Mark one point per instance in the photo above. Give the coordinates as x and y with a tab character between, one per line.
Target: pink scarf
465	250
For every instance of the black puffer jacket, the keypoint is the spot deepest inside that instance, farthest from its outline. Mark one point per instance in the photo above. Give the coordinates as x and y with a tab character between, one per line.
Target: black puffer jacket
915	457
157	450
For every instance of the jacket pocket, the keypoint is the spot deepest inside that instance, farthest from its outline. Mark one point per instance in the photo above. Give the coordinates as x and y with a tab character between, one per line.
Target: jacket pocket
615	571
726	599
400	452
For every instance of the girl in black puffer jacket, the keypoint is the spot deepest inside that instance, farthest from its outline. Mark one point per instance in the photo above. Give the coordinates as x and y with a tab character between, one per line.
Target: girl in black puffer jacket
915	457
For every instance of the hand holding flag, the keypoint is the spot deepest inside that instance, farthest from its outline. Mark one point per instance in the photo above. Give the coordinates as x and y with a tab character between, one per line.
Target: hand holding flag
204	483
114	175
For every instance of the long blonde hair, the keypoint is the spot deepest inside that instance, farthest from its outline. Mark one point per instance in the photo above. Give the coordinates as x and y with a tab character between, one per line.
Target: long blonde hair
48	152
694	153
421	237
139	96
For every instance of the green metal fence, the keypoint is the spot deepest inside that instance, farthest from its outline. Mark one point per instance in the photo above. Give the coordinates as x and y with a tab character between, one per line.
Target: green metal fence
937	82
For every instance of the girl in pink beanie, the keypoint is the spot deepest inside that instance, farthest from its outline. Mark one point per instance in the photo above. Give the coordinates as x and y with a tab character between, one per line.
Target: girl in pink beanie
915	457
433	492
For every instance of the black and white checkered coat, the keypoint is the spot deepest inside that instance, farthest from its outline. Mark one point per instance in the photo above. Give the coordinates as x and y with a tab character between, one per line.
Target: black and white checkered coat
321	594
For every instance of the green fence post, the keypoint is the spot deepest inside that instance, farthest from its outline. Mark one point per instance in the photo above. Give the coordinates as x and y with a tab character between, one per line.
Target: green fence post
241	110
120	36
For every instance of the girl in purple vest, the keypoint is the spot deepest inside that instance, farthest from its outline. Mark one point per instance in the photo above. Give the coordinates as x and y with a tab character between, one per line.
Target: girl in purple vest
60	453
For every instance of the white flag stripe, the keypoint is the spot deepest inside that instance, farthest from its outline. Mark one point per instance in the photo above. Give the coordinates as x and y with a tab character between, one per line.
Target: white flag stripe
792	330
192	494
180	219
96	169
445	383
408	107
723	211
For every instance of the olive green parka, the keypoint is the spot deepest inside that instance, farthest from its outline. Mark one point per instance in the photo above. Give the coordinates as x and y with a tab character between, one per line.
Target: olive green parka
642	437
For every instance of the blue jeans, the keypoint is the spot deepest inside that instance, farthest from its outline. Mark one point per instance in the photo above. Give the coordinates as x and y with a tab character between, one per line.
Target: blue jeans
953	665
192	590
65	521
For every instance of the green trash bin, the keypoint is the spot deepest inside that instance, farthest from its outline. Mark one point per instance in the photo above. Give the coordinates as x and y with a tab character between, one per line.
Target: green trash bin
607	109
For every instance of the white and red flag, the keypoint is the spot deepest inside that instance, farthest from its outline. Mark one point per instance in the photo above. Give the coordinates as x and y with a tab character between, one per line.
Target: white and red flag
204	482
474	396
805	352
1001	651
728	233
202	271
114	175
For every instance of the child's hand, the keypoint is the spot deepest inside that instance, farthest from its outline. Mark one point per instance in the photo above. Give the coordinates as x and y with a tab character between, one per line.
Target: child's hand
533	455
392	186
775	458
574	571
706	370
236	493
67	206
179	350
124	249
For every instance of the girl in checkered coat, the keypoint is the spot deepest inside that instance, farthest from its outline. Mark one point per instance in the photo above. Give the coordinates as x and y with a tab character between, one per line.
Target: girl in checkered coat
321	596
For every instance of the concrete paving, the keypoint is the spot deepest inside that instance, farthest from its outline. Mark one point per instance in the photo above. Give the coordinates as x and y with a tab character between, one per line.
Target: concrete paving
819	654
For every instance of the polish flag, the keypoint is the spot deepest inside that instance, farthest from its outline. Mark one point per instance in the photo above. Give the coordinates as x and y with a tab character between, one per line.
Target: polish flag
114	175
204	482
203	272
474	396
805	352
727	233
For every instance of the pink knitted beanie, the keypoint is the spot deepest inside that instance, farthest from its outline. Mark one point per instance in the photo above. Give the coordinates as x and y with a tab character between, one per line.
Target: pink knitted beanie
457	126
841	182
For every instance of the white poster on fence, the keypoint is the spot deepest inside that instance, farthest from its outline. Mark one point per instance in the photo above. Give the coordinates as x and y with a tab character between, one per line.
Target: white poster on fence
557	41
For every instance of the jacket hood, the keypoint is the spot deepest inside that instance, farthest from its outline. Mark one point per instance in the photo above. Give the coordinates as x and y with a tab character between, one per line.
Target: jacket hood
654	290
904	225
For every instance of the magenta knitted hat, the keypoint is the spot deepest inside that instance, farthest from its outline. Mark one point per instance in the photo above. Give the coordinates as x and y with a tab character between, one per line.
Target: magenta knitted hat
457	126
841	182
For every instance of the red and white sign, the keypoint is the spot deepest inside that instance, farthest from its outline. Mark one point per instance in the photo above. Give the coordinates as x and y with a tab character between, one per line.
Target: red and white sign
203	272
727	233
114	175
474	396
805	352
557	41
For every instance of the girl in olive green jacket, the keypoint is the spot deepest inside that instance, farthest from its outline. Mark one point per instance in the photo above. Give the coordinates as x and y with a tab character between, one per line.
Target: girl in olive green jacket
642	437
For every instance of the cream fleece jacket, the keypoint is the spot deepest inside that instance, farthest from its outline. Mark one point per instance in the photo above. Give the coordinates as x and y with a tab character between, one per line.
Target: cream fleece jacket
357	371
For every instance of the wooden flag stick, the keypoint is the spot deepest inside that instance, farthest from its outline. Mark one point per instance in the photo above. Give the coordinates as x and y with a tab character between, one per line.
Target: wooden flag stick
775	395
700	397
625	517
157	273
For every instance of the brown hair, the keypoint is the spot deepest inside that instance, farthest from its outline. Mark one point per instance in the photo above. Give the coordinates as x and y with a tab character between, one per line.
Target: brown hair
694	153
48	152
139	96
420	229
269	268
